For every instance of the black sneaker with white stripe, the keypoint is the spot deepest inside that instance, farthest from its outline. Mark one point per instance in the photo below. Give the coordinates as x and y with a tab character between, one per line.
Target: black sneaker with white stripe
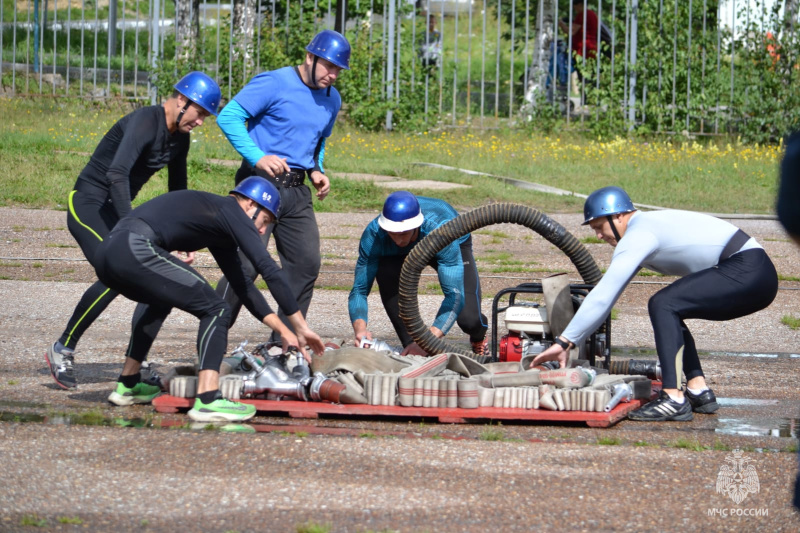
662	409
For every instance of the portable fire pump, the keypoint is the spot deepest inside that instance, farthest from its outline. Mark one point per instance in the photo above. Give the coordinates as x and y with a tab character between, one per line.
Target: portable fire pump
528	326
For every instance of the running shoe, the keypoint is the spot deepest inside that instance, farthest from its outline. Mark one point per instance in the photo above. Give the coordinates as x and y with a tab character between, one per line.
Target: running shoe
139	393
662	409
60	364
221	410
705	402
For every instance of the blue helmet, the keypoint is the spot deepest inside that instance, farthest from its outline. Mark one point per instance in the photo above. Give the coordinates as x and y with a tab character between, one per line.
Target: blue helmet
606	202
332	46
262	192
401	212
201	89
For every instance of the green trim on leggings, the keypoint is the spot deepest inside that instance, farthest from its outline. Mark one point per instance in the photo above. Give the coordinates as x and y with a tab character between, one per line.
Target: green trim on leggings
69	336
202	345
78	220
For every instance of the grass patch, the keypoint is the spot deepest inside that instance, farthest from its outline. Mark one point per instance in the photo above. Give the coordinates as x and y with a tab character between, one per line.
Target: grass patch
591	240
609	441
614	313
493	233
91	418
734	178
56	245
37	265
792	448
495	256
33	520
18	228
13	382
784	277
688	444
645	273
642	443
721	447
368	435
10	265
313	527
335	237
433	287
69	520
789	320
492	433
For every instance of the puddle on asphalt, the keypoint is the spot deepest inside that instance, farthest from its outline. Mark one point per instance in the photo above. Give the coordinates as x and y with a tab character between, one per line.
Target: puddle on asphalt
742	402
755	426
745	354
759	427
95	419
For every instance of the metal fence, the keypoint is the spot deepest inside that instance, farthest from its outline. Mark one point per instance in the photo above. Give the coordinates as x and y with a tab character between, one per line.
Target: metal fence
671	66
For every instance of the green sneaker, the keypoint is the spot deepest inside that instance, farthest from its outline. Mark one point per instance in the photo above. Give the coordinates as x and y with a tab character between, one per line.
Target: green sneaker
140	393
221	410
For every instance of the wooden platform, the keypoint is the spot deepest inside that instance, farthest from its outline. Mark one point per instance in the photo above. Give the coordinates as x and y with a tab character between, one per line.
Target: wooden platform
294	409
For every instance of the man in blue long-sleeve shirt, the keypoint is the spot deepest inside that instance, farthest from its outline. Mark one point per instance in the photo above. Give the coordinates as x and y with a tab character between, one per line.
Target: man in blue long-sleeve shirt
278	122
385	243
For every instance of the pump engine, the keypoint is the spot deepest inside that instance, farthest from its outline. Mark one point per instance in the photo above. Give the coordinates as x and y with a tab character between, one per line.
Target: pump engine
528	332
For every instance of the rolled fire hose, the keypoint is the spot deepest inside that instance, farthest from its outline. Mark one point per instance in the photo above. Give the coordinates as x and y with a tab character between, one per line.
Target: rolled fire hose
465	223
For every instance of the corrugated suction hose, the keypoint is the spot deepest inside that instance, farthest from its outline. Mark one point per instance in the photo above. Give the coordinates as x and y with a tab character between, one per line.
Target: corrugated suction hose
468	222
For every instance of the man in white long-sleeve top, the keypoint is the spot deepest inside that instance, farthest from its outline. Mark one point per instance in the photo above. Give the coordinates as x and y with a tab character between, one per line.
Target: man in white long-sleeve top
725	274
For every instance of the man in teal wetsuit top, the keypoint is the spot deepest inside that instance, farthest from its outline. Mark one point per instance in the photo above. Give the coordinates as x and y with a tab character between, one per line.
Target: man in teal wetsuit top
387	240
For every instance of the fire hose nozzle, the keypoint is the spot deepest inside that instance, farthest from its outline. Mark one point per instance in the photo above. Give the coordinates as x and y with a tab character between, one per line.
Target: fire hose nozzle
622	393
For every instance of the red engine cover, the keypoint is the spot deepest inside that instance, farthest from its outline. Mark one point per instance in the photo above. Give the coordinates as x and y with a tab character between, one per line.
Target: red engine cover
510	347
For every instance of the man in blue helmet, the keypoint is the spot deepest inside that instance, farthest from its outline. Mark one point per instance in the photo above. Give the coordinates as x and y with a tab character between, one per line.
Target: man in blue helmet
136	147
724	274
279	122
387	240
135	261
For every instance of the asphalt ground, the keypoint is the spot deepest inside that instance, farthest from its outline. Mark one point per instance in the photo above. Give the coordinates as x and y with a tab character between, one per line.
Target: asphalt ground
69	461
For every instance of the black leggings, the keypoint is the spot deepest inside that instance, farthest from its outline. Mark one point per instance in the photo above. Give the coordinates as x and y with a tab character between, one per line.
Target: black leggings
742	284
90	218
159	281
470	320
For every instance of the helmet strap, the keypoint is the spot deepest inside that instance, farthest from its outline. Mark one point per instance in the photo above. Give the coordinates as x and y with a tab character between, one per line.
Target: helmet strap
314	72
180	114
613	227
258	210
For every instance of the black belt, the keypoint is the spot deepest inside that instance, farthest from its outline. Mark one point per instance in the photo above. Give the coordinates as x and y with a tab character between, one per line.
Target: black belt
293	178
734	245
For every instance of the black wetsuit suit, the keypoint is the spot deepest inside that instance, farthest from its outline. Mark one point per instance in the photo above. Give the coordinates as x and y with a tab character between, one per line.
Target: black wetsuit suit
134	149
134	260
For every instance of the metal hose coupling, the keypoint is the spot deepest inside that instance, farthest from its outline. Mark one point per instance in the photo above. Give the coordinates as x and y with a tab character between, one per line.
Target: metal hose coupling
622	393
268	379
324	389
636	367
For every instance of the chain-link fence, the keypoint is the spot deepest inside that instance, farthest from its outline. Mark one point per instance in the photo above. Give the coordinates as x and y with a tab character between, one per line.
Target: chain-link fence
671	66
